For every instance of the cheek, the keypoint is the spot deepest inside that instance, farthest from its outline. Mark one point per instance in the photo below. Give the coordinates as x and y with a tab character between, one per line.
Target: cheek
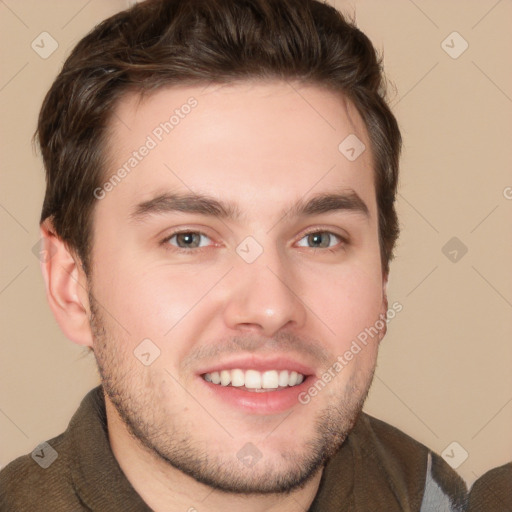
157	301
349	302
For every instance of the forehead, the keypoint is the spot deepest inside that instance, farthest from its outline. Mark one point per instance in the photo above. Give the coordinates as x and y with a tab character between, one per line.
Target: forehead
260	143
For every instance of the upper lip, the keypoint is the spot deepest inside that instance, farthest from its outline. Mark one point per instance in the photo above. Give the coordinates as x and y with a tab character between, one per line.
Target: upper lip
261	364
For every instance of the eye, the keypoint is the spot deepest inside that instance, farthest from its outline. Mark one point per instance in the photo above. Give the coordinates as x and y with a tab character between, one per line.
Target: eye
320	240
188	240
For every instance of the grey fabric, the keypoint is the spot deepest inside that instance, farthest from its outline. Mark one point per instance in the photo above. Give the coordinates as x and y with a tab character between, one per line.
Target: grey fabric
435	499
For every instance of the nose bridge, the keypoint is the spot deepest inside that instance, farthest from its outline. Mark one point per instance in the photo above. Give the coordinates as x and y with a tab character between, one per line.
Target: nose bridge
263	291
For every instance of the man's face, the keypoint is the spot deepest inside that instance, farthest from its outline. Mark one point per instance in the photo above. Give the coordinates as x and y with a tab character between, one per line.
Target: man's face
273	277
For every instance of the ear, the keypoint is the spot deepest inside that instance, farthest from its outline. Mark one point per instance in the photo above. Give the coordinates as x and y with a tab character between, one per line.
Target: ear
384	307
66	286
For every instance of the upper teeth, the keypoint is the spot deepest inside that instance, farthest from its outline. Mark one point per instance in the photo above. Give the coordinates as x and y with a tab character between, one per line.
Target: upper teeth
253	379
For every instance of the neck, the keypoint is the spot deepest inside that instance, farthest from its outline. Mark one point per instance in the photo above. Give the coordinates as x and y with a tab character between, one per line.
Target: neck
165	488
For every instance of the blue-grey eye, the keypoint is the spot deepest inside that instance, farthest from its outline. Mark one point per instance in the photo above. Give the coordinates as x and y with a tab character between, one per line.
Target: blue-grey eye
320	240
188	240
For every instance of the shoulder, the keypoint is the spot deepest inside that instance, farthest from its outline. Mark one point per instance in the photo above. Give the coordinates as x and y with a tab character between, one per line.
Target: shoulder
44	479
391	439
411	465
386	442
39	480
492	491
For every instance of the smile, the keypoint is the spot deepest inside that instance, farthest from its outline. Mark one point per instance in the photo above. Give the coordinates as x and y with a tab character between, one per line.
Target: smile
254	380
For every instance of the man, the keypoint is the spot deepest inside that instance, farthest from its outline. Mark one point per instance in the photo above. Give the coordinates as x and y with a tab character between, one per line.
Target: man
219	212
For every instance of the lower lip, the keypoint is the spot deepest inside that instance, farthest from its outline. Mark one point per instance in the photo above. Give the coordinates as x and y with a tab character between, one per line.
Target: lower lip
266	402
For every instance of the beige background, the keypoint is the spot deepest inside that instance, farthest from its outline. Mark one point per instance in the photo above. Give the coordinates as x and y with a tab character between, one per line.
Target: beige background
444	373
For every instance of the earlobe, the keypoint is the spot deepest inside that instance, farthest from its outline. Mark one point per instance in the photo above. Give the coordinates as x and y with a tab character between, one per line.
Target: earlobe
66	287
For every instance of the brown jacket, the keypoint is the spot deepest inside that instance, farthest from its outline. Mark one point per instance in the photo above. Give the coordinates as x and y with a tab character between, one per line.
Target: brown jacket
492	492
378	468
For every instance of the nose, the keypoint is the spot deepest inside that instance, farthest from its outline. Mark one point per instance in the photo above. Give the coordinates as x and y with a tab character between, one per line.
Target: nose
264	297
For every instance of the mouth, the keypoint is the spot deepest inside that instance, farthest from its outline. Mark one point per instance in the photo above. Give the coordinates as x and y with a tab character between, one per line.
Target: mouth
255	381
257	386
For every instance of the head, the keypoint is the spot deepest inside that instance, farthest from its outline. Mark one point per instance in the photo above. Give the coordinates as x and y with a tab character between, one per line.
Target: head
206	212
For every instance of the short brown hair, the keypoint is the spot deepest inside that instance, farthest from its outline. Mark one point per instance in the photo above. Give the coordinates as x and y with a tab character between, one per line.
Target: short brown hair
158	43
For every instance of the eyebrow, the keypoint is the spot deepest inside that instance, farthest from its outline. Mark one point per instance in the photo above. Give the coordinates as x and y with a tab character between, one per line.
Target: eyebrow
347	201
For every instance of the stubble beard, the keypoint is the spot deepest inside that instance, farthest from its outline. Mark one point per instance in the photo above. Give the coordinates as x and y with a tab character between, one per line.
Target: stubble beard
169	438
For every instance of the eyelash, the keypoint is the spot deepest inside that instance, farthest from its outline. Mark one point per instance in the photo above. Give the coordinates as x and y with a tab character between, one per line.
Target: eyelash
340	246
